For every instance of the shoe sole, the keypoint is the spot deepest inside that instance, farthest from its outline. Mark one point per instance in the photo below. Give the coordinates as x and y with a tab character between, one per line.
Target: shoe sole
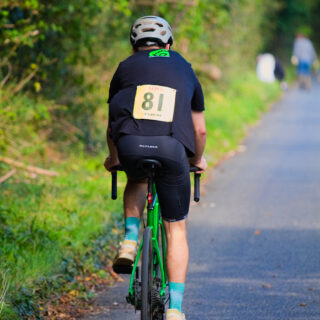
123	265
122	269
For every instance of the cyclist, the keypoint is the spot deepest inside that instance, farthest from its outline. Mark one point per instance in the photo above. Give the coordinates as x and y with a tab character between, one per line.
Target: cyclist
156	109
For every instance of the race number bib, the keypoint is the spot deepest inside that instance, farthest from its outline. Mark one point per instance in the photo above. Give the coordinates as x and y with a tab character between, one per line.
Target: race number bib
154	103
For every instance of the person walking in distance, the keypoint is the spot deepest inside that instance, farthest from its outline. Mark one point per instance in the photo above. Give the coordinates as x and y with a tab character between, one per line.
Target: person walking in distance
156	109
303	56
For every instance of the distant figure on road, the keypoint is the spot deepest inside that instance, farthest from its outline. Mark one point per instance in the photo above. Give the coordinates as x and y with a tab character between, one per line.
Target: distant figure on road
269	69
303	56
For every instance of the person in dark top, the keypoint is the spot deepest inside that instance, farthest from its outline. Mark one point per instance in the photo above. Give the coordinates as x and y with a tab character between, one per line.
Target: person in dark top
151	68
156	109
279	72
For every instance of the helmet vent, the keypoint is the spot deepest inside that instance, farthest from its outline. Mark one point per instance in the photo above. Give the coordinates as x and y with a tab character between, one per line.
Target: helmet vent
163	32
148	30
159	24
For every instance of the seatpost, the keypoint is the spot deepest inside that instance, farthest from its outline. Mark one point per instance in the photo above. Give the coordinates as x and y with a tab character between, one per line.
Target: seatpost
151	174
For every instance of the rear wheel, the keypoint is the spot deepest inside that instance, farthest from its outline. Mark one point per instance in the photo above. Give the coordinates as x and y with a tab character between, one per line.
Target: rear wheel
146	276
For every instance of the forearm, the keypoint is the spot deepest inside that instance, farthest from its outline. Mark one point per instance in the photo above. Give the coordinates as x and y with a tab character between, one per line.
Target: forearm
200	142
200	135
113	152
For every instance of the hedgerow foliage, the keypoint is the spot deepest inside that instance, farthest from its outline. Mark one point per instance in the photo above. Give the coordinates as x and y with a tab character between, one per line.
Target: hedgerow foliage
294	16
66	51
46	45
44	41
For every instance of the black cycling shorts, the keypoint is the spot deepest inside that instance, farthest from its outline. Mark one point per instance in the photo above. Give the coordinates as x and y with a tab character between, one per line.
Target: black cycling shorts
173	180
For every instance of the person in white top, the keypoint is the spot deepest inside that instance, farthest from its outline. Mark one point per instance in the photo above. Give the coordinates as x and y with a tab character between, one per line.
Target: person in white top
266	64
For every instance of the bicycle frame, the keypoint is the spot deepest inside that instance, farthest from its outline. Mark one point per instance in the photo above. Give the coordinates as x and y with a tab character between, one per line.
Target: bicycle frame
155	223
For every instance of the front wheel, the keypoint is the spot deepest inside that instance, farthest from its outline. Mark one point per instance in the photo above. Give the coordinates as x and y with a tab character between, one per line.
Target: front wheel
146	276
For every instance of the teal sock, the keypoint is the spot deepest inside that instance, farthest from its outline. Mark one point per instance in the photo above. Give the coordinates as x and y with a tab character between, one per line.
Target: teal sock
176	295
132	228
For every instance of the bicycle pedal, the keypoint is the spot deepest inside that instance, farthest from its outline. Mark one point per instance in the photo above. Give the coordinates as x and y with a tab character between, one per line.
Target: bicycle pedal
123	269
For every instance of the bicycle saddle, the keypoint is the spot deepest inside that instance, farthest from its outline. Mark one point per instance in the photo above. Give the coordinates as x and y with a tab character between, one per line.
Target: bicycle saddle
149	164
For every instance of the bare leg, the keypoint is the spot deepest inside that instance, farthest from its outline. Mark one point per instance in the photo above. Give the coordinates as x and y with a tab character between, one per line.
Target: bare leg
308	82
177	250
301	81
134	198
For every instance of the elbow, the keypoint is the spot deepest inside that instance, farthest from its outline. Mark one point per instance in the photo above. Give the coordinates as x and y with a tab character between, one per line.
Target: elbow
201	132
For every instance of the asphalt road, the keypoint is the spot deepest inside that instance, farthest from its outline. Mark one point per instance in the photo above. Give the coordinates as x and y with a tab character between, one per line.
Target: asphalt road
254	238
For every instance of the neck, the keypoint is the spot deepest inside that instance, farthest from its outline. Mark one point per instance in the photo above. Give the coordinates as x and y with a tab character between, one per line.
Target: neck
148	48
167	47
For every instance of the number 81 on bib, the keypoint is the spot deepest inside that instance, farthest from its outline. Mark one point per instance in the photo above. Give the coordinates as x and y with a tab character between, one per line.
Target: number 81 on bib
154	103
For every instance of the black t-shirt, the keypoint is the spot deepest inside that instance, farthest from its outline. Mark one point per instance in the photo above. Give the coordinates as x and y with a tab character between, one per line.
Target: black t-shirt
164	68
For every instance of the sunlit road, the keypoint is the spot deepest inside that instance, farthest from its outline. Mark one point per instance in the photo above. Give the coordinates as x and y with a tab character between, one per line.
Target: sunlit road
255	236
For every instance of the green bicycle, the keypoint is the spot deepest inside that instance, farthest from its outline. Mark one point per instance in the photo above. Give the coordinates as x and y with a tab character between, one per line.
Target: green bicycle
148	281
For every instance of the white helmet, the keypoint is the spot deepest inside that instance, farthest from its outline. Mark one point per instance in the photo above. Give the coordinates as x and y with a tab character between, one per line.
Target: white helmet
150	30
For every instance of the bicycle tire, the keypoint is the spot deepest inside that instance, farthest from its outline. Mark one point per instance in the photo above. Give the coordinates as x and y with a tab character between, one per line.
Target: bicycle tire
158	306
146	276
